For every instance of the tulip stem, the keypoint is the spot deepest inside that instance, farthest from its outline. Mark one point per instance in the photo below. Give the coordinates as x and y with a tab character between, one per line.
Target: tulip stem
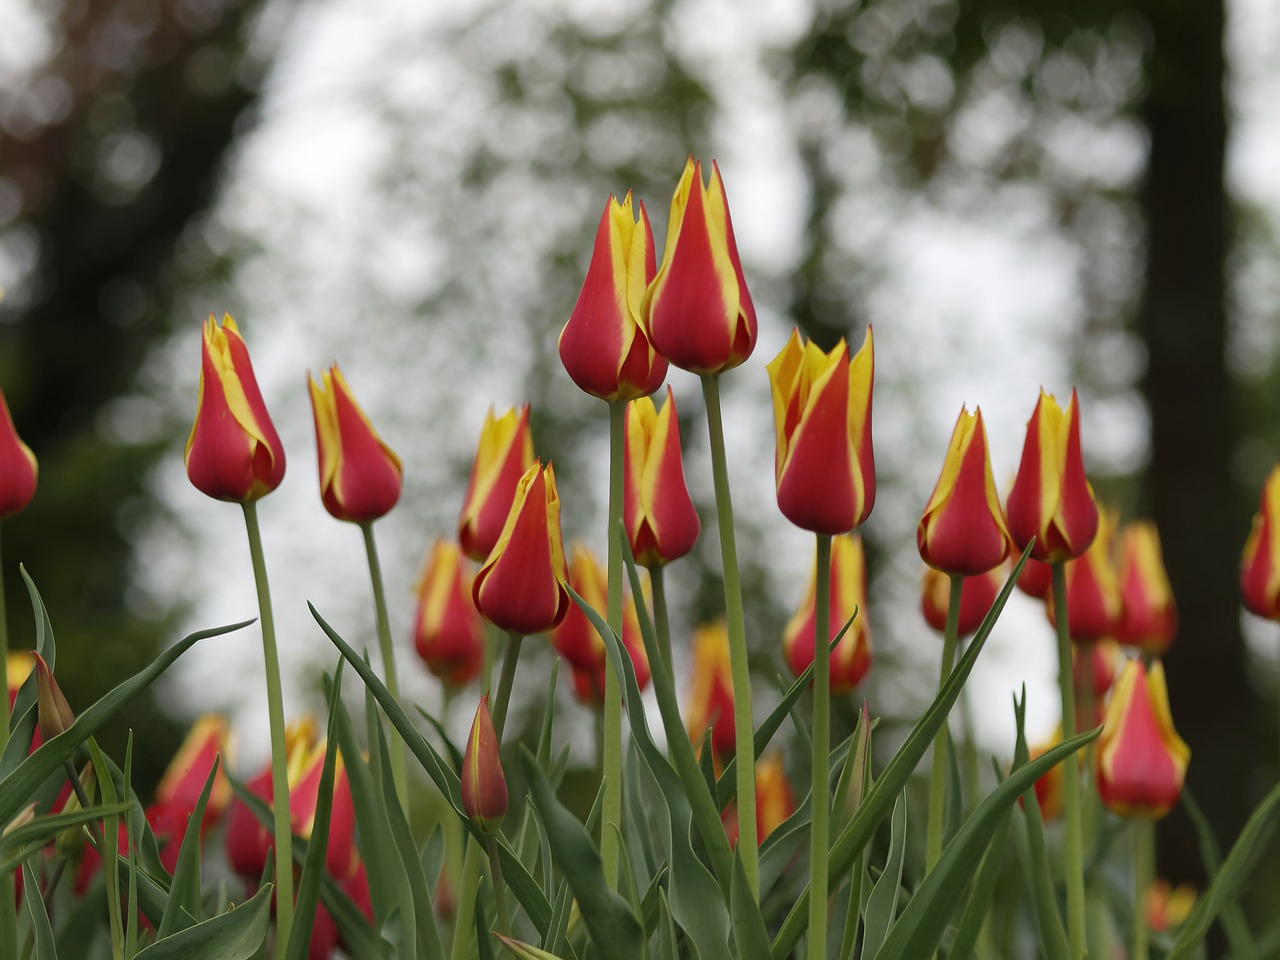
817	942
503	919
279	754
4	659
1143	869
8	908
1070	772
464	920
505	680
744	731
661	622
611	752
399	772
938	771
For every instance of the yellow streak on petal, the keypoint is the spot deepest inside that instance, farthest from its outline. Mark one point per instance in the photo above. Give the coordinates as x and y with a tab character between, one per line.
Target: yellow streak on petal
229	377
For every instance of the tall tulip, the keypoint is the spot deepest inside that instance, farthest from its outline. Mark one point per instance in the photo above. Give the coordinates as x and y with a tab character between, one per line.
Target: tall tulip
1149	617
603	347
661	522
1260	565
710	701
503	455
697	310
851	658
18	467
448	630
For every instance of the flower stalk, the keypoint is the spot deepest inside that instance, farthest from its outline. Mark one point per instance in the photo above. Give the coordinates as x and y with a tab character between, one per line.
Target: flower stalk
938	771
611	758
399	773
817	944
1070	773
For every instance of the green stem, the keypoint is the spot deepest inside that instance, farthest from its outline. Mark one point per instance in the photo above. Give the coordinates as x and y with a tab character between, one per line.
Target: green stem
4	659
464	921
817	940
938	771
100	841
740	667
661	623
1076	931
1144	852
611	822
503	699
279	757
8	910
399	772
499	893
972	765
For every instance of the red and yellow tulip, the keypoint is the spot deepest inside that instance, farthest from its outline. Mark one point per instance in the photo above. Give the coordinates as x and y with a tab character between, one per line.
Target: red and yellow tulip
661	522
448	631
504	453
1094	604
824	467
360	476
1149	617
484	785
697	310
710	702
603	347
1168	908
851	658
977	594
233	452
18	467
1051	498
1260	565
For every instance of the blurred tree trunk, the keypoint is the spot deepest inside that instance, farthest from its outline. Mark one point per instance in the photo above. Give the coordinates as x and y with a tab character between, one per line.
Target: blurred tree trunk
1188	391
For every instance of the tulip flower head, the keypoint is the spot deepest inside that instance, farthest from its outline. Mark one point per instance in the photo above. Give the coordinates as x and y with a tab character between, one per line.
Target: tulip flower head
522	587
1168	908
18	468
603	347
233	452
484	785
1140	761
1036	579
184	778
1051	498
448	629
962	530
825	469
1260	565
341	855
1149	617
775	801
661	522
360	476
851	658
248	842
697	310
1094	604
977	594
710	702
588	682
1094	667
52	709
504	454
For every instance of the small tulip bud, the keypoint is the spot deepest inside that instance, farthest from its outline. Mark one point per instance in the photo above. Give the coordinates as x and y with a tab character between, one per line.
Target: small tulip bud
52	710
484	785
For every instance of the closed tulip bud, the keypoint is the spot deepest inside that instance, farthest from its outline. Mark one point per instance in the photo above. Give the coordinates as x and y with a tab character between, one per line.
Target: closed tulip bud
575	638
360	476
1149	617
1140	761
522	586
588	682
775	801
710	702
603	347
18	468
248	842
658	514
504	454
977	594
1051	498
1093	670
824	467
184	778
484	785
1168	908
448	629
53	712
697	310
1036	579
962	530
233	452
341	855
1093	592
1260	565
851	658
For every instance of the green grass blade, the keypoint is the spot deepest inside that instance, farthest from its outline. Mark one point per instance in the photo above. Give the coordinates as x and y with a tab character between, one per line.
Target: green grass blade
882	908
183	908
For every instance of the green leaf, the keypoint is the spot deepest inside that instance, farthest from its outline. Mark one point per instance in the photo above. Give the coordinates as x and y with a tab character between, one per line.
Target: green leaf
984	886
234	935
750	937
524	951
183	908
40	925
883	905
1233	919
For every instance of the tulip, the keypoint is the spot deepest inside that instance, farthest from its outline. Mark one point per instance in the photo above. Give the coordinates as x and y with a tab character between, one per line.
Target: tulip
341	856
851	658
825	470
448	630
184	779
697	310
962	530
575	638
977	594
505	452
233	452
1051	498
52	709
248	842
1168	908
775	801
484	785
710	703
603	347
522	586
360	476
1093	670
589	682
1094	604
18	468
1036	579
1140	761
1149	617
1260	565
657	512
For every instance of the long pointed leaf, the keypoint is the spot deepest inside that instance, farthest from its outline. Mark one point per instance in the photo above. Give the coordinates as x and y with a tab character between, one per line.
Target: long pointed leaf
234	935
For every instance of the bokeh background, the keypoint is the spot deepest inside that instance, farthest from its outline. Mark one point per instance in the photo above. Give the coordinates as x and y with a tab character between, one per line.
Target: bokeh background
1014	193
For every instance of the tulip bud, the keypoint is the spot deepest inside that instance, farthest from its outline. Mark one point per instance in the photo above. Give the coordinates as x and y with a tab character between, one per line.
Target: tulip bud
1093	670
825	470
341	855
710	703
1051	499
233	452
775	801
184	779
448	630
521	587
658	514
52	709
1149	617
603	347
1036	579
504	454
588	682
1167	908
977	594
484	785
697	310
360	476
248	842
1093	593
1140	761
851	658
1260	565
575	638
18	467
